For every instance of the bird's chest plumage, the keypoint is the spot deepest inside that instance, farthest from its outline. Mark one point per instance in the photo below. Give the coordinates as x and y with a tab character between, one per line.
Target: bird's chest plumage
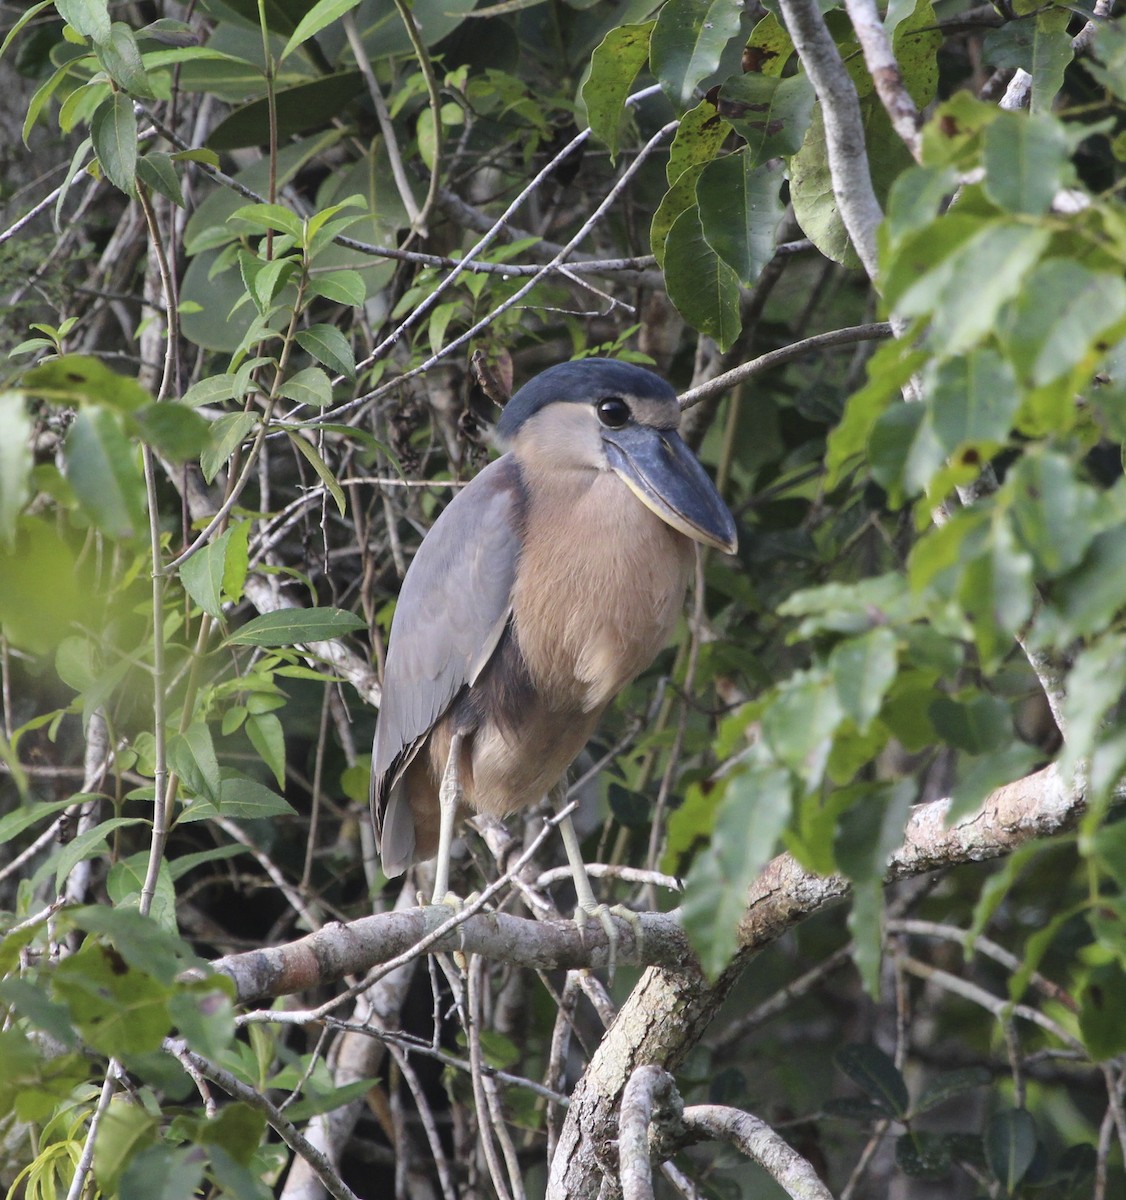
610	578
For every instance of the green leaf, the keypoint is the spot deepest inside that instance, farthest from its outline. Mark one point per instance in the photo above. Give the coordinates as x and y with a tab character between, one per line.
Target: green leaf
703	287
800	722
309	386
87	845
176	431
965	292
319	17
215	389
264	218
341	287
121	61
87	17
923	1155
950	1083
15	463
863	669
13	823
876	1075
1052	53
1054	514
227	433
739	213
753	812
613	68
125	1130
296	626
162	1172
191	755
80	379
268	738
972	400
328	346
1047	341
773	115
113	131
202	574
298	109
102	468
156	172
699	136
687	42
1010	1144
241	799
310	452
1025	159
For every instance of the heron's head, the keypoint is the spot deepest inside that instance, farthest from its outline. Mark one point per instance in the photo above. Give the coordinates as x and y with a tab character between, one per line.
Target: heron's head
604	415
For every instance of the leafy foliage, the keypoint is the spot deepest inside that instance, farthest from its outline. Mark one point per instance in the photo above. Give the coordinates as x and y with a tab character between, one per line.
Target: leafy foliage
238	393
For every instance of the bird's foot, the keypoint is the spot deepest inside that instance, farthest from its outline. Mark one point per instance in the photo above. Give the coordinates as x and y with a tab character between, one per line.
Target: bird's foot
604	914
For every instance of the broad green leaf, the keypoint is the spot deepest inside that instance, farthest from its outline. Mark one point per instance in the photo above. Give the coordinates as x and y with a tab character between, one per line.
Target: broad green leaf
215	389
81	379
977	777
341	287
42	590
866	925
156	172
876	1075
753	812
1053	512
916	43
268	738
889	369
119	1011
312	455
87	845
113	132
1046	341
308	386
972	400
1025	160
1095	683
12	824
125	1130
1051	55
771	114
176	431
263	218
687	42
202	574
87	17
191	755
322	14
613	68
328	346
1100	1011
699	136
965	292
121	61
237	561
102	468
863	668
15	463
739	212
226	434
1094	594
163	1172
799	724
1010	1145
28	15
951	1083
703	287
298	109
296	626
241	799
923	1155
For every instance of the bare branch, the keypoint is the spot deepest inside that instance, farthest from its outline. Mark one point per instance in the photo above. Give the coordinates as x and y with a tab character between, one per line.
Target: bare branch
844	127
884	69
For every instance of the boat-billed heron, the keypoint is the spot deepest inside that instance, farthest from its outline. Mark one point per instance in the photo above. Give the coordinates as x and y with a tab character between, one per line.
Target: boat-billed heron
548	584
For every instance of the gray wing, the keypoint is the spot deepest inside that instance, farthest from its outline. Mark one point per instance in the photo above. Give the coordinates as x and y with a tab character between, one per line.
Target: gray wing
453	607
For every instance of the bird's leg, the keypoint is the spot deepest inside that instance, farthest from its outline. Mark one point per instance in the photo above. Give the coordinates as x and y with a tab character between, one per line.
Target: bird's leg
586	905
449	797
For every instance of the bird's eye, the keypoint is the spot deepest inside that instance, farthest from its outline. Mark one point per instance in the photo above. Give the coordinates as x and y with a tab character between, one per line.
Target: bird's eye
613	412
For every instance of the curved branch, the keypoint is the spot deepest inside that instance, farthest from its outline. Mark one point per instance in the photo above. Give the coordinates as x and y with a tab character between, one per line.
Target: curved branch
844	127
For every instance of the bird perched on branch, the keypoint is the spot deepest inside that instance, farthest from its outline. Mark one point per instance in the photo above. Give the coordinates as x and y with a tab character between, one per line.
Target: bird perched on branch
546	586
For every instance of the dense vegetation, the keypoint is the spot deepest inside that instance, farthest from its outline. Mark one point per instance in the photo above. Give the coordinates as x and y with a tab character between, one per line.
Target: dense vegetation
266	270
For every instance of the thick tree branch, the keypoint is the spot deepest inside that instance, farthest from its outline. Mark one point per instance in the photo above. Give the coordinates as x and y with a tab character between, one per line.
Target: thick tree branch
884	69
844	126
